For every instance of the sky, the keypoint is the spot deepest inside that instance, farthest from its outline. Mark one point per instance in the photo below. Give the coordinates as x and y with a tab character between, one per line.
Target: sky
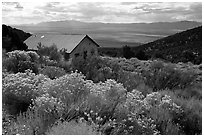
106	12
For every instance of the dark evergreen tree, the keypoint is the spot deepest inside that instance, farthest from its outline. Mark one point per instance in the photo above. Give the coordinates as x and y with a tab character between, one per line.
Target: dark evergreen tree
141	55
127	52
12	39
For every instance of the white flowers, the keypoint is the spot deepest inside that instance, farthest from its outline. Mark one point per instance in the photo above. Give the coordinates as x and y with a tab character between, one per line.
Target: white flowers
48	104
23	85
136	102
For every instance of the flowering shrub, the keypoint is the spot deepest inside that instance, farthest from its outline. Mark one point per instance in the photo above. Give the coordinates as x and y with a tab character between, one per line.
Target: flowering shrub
19	55
111	106
69	88
47	61
159	108
105	96
52	72
132	125
19	89
34	57
19	61
37	119
49	107
110	114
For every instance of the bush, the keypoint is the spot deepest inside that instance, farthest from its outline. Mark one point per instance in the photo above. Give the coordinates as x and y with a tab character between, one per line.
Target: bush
34	57
19	61
95	68
25	65
105	97
161	76
45	111
155	109
52	72
52	52
45	60
27	123
70	88
19	89
66	65
125	122
131	80
50	108
31	122
110	106
78	95
190	119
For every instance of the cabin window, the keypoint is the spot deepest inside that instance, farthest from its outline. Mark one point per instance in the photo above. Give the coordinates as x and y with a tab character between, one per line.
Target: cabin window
85	54
76	55
92	52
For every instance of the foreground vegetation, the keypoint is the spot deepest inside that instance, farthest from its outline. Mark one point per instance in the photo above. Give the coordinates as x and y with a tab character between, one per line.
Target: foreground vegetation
45	95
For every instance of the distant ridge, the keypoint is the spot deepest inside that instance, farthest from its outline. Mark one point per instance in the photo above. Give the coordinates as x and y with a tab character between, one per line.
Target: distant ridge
81	22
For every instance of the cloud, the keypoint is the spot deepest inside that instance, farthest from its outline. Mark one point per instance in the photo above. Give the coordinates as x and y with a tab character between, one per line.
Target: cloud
157	8
169	11
101	12
18	6
128	3
11	5
196	10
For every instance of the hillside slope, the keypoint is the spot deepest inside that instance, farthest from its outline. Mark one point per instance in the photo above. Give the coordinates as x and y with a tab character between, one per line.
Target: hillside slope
185	46
12	38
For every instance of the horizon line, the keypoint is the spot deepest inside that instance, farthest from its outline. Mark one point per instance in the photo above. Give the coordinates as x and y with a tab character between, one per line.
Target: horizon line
102	22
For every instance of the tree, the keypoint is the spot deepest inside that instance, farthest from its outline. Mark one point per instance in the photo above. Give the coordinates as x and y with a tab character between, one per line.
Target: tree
141	55
127	53
11	40
52	52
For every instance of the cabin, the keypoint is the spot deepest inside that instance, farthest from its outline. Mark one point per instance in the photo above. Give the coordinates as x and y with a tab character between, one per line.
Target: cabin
77	46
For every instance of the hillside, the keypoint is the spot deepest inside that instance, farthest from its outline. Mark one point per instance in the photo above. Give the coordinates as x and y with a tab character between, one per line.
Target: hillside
185	46
12	38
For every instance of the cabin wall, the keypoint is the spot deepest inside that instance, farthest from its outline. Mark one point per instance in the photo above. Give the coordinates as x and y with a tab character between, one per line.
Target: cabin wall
85	49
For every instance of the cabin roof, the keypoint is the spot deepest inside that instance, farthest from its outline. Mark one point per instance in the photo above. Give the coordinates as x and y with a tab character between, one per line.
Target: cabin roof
67	41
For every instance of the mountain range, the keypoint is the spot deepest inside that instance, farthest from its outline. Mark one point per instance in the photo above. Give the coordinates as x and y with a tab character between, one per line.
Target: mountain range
112	34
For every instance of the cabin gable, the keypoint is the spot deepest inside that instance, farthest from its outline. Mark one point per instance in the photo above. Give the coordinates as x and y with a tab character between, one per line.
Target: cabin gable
86	48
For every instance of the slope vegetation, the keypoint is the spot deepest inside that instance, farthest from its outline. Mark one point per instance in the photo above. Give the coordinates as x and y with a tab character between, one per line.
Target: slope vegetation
12	39
185	46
